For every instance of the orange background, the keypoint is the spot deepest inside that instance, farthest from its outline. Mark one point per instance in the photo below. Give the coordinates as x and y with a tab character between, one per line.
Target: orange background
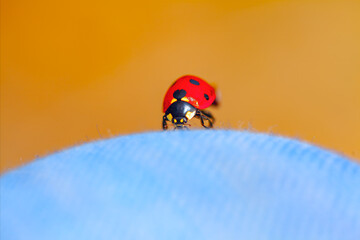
74	70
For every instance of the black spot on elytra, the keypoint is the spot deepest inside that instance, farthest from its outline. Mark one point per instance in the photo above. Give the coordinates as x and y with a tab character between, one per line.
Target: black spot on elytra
194	82
179	94
206	96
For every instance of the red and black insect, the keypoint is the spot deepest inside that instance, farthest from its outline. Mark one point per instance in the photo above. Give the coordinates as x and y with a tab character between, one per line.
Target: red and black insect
187	98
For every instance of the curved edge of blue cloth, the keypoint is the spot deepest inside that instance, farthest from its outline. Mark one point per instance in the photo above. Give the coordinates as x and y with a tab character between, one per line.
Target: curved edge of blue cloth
218	184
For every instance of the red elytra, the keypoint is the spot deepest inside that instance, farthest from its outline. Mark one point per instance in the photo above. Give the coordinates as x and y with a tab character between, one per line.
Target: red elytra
200	94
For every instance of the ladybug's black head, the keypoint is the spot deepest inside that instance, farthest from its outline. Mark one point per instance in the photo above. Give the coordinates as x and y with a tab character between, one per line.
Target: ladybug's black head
180	112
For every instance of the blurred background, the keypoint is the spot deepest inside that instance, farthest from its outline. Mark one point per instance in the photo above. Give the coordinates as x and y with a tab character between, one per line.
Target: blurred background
75	71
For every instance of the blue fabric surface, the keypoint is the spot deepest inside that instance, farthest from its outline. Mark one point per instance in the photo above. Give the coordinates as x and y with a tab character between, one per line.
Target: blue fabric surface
216	184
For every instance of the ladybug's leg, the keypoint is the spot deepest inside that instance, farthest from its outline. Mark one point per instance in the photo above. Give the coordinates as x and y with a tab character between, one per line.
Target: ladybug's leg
164	123
202	116
209	115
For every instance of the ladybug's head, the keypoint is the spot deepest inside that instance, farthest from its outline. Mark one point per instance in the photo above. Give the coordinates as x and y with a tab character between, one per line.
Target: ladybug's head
180	112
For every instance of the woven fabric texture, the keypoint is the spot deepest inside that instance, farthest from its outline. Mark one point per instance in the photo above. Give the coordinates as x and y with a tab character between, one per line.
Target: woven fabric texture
217	184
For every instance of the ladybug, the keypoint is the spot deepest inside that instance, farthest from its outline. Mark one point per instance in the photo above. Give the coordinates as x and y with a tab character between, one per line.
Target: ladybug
187	98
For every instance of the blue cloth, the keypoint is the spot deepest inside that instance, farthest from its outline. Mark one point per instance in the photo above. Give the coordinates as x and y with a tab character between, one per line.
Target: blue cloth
208	184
